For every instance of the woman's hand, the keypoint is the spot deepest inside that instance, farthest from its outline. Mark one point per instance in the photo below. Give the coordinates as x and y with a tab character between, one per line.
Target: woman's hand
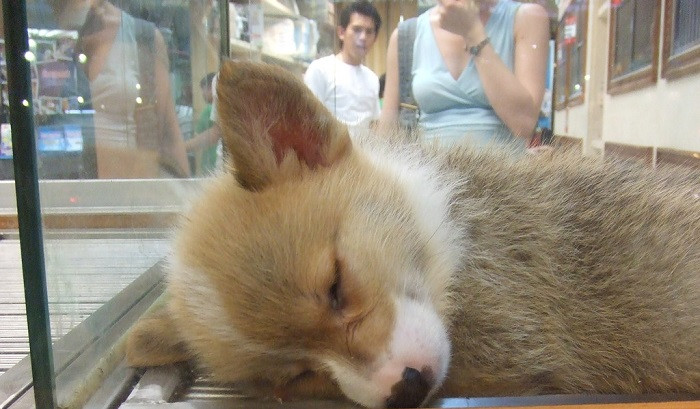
462	18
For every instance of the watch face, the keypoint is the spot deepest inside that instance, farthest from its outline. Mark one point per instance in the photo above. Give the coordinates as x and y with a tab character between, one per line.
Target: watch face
474	50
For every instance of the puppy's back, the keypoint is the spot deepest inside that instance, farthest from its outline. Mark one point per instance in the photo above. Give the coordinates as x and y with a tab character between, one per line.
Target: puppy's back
581	276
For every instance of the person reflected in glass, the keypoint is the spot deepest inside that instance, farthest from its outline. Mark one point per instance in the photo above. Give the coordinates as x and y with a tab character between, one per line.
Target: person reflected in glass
478	71
207	132
125	62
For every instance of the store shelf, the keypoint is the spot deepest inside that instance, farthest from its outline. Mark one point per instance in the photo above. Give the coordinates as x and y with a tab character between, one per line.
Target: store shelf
240	48
277	9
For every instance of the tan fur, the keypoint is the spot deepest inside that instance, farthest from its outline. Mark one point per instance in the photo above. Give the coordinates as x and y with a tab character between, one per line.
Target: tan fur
551	273
166	348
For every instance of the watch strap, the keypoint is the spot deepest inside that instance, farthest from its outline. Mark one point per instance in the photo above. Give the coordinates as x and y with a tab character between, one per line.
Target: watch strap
476	50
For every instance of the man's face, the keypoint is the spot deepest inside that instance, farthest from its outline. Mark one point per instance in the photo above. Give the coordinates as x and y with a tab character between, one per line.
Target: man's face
358	37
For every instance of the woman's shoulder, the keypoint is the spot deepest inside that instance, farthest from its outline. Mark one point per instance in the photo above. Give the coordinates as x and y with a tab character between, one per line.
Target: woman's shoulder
530	18
531	12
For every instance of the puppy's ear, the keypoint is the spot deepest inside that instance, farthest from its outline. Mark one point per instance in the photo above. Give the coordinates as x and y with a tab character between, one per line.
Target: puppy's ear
273	125
154	341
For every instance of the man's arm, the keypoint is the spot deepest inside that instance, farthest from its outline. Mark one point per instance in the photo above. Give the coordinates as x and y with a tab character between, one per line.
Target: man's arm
205	139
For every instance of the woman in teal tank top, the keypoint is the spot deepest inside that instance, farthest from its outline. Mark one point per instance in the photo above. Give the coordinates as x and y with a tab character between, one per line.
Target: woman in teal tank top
478	71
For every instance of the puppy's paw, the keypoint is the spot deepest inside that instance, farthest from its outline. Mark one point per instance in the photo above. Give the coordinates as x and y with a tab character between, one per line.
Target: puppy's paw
153	341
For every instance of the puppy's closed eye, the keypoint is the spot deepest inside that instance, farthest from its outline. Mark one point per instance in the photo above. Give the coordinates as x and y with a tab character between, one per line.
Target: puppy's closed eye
335	295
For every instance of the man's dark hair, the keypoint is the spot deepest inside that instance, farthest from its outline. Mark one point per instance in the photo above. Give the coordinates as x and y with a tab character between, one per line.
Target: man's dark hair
361	7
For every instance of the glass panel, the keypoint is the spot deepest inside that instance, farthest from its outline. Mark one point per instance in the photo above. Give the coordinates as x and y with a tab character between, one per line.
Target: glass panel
575	86
624	30
577	50
119	111
642	47
118	88
634	24
686	33
6	171
562	66
111	190
14	343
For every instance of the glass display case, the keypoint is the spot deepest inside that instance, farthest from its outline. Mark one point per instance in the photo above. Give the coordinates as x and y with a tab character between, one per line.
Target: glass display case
114	112
113	95
100	78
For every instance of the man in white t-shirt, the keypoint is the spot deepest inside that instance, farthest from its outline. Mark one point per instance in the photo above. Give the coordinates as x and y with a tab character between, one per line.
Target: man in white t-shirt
346	87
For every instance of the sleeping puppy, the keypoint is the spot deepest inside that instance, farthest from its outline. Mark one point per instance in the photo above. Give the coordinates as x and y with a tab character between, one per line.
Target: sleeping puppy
392	273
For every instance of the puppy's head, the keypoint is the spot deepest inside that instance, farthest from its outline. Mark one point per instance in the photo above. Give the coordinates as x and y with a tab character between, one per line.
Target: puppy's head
310	258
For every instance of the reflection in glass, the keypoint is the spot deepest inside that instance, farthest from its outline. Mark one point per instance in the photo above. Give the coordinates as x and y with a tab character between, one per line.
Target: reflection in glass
634	23
113	87
686	33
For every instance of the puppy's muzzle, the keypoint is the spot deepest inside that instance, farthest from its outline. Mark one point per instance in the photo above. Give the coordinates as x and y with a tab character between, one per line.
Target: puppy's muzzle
412	389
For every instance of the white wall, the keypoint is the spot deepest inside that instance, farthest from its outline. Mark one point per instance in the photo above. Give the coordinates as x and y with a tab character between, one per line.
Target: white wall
573	123
665	115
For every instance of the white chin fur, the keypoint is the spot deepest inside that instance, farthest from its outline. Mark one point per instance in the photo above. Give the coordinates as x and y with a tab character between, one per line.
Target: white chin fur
419	341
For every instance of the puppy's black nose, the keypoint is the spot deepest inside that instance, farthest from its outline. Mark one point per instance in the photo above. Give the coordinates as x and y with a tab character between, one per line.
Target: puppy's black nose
411	390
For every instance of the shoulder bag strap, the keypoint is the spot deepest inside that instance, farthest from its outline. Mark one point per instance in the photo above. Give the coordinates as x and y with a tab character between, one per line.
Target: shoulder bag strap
406	38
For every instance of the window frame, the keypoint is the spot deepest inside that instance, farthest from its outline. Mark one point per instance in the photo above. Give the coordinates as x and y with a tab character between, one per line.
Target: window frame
560	81
641	77
686	62
581	10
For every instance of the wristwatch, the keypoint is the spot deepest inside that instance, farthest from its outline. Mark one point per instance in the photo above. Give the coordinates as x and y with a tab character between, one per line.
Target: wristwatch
475	50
